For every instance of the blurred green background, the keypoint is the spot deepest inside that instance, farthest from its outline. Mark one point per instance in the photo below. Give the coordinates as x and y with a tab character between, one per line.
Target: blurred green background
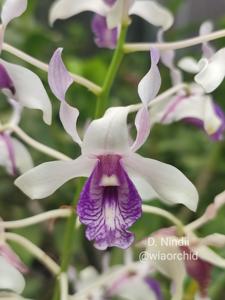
181	145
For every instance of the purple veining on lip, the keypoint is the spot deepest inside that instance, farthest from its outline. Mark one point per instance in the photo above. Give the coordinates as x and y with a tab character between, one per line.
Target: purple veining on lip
218	135
5	80
155	287
109	204
8	142
104	37
198	269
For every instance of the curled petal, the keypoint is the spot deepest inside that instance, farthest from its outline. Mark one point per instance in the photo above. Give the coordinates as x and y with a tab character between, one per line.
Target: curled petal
29	90
63	9
142	123
212	71
168	182
150	84
108	134
153	13
189	64
10	278
59	81
45	179
12	9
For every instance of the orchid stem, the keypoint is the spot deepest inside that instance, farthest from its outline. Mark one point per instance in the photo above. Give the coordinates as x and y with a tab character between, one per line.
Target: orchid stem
136	47
163	213
94	88
35	251
38	146
52	214
110	76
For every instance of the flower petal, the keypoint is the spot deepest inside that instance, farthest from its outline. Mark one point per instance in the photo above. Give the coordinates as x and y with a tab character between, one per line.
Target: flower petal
168	182
45	179
153	13
59	81
212	71
104	37
167	58
23	158
207	254
29	90
5	80
63	9
150	84
207	49
109	134
142	123
10	278
109	210
189	64
12	9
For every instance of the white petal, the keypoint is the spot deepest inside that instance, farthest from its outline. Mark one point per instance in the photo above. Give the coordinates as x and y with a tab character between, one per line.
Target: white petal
189	64
214	239
23	158
17	111
150	84
144	189
167	58
212	71
12	9
59	81
63	9
142	123
45	179
115	14
4	157
153	13
109	134
30	91
10	278
206	28
173	268
168	182
210	256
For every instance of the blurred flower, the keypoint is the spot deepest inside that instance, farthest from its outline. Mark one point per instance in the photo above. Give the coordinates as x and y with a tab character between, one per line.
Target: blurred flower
187	254
14	156
110	201
17	82
114	13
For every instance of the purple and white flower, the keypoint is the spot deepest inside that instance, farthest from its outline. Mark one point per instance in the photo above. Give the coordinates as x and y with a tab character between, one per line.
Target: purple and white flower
118	178
111	14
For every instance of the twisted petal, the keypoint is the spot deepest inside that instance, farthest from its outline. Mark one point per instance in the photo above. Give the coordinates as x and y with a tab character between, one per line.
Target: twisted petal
153	13
12	9
7	156
5	80
59	81
10	278
23	158
167	181
150	84
212	71
108	134
142	123
29	90
109	210
45	179
63	9
207	49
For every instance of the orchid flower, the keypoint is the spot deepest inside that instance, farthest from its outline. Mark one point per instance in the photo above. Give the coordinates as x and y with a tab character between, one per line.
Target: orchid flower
209	70
135	285
17	82
14	156
191	255
111	15
110	201
12	282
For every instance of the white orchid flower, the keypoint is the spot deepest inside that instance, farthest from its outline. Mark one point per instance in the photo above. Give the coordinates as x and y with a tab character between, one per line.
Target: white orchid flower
115	14
111	198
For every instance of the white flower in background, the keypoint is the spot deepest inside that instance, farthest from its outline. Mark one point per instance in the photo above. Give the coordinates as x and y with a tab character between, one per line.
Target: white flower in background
115	14
18	82
110	201
188	255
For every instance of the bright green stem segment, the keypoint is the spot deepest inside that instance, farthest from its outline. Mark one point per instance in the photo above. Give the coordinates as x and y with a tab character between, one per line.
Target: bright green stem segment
110	76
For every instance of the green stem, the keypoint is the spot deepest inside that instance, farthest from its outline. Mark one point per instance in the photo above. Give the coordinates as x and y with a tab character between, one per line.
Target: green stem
110	76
